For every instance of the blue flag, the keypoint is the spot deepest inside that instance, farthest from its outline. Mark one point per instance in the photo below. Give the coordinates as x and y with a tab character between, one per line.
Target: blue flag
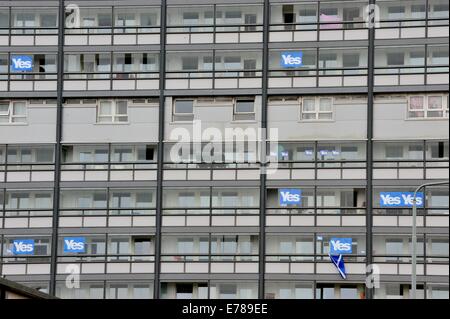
338	261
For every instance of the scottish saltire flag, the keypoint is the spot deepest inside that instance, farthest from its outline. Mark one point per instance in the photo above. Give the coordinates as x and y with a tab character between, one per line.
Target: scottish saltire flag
338	261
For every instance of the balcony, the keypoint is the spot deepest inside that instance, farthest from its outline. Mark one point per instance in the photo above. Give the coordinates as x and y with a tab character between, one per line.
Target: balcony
35	263
26	208
115	162
125	25
336	67
96	264
316	21
209	253
321	217
91	208
229	289
229	217
412	19
307	264
410	160
36	26
215	24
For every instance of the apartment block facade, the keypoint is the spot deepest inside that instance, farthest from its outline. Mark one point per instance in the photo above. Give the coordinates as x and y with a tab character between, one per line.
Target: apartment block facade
93	93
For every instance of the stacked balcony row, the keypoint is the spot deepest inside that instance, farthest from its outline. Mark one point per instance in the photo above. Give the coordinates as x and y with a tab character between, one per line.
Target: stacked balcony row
217	69
131	25
221	253
213	207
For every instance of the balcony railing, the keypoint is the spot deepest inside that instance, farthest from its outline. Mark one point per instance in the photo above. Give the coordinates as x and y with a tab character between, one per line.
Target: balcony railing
211	33
426	217
410	169
102	217
82	81
149	35
210	217
213	263
27	172
357	30
411	75
15	36
211	171
108	171
321	216
110	258
320	169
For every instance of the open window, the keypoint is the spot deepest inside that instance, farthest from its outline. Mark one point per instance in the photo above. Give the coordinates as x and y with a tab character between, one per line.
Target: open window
183	110
244	110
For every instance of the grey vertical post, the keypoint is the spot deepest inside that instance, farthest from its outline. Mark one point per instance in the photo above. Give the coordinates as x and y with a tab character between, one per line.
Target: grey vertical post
59	106
369	151
159	188
262	196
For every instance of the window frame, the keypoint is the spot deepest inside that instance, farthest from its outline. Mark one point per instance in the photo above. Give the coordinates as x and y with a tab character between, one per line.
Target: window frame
114	115
426	107
236	114
317	111
183	115
10	113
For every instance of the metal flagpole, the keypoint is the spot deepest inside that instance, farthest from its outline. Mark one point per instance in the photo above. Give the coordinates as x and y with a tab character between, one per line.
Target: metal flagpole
414	238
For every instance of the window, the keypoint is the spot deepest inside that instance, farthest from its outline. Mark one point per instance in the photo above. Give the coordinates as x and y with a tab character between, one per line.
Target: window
112	112
13	112
250	67
350	61
244	110
142	246
437	150
145	153
24	20
439	247
307	15
125	20
142	292
44	155
232	62
185	246
186	199
118	292
4	21
183	110
227	291
317	109
189	63
122	155
144	200
438	292
48	20
119	246
396	13
418	11
18	201
190	18
327	60
394	248
250	22
148	19
431	106
43	201
393	152
104	20
396	58
121	200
